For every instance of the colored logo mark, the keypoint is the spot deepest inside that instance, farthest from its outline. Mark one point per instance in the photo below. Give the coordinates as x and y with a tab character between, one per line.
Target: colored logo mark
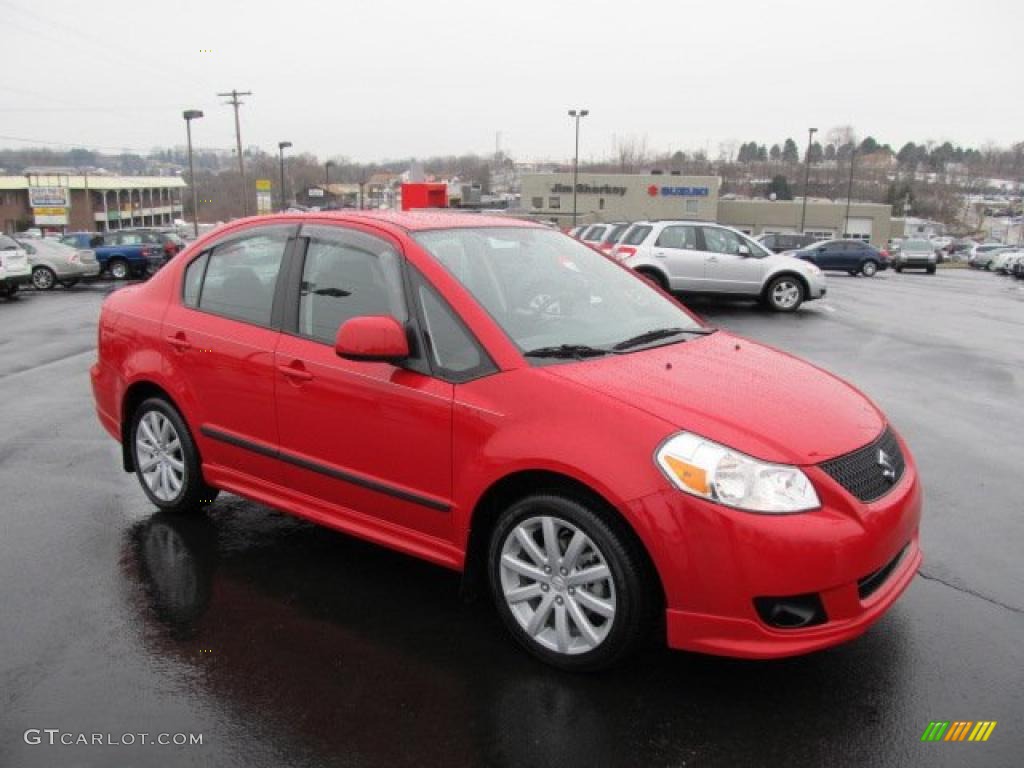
958	730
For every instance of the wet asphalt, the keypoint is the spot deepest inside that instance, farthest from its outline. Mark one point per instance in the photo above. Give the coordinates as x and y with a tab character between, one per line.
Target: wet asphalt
284	644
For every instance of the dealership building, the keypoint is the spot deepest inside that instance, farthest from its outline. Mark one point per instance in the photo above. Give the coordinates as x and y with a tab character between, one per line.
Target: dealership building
88	202
632	197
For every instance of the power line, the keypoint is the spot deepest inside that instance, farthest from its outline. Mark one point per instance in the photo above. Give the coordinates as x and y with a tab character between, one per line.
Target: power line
236	103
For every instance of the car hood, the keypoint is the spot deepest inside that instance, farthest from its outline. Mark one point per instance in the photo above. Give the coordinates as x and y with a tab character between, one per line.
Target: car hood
753	398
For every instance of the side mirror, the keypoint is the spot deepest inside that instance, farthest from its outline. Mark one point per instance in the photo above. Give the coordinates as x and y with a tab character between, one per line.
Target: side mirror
743	250
378	338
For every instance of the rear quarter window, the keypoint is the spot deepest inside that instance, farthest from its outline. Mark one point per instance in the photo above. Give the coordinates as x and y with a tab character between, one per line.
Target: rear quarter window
637	234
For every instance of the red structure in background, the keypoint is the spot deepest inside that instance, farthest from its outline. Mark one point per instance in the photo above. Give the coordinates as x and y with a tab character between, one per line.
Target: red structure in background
424	195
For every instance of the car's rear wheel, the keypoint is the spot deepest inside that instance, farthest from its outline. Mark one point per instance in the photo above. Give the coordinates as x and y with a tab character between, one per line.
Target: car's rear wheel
572	590
8	291
785	293
166	460
869	269
43	278
898	269
931	270
118	269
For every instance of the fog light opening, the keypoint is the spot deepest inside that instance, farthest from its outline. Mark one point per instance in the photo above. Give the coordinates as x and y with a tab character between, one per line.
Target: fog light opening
793	612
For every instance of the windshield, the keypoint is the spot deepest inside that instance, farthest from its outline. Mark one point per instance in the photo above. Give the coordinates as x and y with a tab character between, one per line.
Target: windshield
917	245
547	290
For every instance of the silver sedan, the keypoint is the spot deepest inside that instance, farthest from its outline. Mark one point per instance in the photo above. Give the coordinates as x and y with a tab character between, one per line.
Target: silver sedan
53	262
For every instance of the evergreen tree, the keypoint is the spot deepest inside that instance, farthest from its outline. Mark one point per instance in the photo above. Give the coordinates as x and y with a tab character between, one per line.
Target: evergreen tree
790	153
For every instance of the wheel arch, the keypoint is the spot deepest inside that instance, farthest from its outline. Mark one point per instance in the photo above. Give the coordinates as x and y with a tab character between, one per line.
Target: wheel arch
527	482
655	273
786	273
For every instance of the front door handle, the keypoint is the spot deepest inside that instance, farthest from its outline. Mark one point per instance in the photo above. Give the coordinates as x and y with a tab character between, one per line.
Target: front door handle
179	342
296	374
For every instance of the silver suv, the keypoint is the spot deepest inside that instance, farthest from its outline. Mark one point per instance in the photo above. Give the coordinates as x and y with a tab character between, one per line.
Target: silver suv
702	258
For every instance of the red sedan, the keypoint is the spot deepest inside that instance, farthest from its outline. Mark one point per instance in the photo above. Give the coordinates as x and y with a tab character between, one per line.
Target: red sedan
497	398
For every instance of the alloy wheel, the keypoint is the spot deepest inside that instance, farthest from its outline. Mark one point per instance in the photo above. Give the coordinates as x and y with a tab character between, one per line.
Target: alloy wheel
785	294
557	584
43	279
869	269
160	456
119	270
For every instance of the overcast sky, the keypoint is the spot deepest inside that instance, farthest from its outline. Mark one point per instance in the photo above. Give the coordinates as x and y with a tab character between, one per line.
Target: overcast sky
380	79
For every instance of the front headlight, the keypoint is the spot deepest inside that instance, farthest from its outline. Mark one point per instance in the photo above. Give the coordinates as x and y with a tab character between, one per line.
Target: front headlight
714	472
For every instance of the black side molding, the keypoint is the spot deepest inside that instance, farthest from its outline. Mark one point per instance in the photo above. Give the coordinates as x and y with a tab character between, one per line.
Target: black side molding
312	466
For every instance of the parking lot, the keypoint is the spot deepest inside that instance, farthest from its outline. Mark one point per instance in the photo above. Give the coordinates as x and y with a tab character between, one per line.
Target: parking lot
287	644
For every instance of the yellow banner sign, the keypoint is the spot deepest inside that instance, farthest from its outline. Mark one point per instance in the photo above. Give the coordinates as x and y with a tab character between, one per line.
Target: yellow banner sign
263	185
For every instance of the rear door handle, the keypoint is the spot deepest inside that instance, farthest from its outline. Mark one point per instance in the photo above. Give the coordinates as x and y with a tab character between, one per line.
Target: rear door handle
298	374
179	342
660	254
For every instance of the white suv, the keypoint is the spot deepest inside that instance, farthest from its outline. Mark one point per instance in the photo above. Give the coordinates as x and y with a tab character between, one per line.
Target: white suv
702	258
14	267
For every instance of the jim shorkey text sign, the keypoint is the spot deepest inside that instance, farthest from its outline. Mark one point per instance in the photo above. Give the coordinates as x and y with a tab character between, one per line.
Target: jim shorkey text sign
588	189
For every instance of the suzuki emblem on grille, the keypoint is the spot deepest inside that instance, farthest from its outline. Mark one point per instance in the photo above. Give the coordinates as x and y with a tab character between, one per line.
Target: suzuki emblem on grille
888	469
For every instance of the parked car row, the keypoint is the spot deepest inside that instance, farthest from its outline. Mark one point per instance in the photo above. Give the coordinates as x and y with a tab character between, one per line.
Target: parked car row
45	261
984	256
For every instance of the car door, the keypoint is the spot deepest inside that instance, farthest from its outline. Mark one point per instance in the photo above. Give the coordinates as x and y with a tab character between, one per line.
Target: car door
679	248
828	255
726	269
221	332
371	439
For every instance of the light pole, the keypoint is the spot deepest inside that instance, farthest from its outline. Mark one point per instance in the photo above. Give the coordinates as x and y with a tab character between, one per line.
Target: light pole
807	177
327	172
577	114
849	190
190	115
281	146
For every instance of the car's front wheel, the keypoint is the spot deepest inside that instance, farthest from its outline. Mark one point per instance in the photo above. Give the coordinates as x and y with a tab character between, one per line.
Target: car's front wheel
869	269
785	293
166	460
572	590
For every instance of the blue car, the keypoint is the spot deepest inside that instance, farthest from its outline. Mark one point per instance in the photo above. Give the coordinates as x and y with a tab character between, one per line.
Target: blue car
853	256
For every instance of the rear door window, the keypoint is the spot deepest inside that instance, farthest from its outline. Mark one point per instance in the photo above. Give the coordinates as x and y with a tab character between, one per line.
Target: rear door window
682	238
242	274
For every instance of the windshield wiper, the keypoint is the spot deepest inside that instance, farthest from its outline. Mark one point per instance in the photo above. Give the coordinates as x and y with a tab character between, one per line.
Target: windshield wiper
567	350
661	333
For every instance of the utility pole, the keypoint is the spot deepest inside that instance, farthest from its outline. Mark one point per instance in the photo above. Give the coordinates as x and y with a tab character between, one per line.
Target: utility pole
807	177
234	102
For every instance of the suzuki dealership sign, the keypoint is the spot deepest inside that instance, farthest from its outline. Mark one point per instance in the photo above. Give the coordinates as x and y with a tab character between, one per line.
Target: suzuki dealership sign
654	191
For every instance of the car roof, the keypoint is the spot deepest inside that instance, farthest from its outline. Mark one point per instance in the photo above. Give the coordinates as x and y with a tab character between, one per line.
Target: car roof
415	221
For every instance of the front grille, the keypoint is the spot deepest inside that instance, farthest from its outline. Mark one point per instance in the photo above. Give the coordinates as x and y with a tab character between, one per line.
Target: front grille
870	583
864	472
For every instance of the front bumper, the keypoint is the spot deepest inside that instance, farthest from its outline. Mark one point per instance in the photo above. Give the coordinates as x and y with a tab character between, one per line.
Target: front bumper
714	561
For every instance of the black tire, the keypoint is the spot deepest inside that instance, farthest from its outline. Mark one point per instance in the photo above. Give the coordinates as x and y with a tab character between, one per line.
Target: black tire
70	283
635	594
43	279
118	269
869	268
8	291
898	269
194	493
931	270
775	302
655	277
